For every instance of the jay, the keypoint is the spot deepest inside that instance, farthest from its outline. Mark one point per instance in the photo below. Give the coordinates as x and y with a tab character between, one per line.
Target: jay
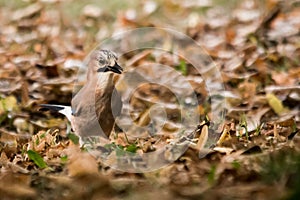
96	105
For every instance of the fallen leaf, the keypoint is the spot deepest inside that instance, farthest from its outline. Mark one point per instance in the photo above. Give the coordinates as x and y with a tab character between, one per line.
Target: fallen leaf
275	103
37	159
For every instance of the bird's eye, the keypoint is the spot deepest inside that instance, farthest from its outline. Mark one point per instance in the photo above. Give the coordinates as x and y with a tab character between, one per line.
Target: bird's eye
101	61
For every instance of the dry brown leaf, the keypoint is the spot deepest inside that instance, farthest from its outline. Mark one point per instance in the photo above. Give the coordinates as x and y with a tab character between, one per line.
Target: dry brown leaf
202	138
80	163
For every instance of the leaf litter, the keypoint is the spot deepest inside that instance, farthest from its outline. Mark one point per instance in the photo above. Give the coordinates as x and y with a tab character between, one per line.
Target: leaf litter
256	48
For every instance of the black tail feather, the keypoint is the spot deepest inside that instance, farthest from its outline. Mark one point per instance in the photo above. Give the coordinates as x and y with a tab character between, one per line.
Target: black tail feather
47	107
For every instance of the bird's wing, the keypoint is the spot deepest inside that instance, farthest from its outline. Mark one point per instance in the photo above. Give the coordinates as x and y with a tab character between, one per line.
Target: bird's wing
116	103
84	119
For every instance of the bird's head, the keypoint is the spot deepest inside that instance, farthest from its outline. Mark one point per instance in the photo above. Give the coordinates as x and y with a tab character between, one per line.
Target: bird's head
105	61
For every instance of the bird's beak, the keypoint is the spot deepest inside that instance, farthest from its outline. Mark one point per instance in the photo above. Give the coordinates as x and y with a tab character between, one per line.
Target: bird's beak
116	68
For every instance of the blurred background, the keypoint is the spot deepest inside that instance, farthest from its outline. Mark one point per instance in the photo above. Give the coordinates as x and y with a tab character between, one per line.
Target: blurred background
254	44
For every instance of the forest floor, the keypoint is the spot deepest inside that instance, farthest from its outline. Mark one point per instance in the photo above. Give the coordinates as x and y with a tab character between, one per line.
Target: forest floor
252	153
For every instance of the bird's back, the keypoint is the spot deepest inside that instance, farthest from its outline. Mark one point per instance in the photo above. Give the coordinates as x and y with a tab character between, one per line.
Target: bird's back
95	107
